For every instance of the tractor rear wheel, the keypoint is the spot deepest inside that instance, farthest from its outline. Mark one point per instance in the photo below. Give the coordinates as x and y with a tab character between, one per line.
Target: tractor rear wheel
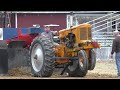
41	54
92	60
79	68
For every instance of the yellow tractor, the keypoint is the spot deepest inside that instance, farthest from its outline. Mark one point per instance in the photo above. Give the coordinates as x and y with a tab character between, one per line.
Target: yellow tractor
74	51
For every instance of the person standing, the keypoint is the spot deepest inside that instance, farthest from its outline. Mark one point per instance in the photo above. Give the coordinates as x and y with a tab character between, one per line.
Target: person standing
116	49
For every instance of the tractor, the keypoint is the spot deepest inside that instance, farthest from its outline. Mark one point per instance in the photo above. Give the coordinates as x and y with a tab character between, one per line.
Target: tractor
72	49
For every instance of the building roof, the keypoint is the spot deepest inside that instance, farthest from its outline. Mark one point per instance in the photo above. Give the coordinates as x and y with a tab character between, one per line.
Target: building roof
65	12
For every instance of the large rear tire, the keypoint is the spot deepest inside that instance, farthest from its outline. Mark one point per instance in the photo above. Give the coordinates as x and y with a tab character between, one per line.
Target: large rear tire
79	67
41	54
92	60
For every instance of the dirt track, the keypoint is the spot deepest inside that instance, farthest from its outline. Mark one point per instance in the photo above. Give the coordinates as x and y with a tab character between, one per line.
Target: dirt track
103	70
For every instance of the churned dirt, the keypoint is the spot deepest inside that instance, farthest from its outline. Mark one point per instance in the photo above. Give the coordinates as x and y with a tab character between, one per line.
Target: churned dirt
102	70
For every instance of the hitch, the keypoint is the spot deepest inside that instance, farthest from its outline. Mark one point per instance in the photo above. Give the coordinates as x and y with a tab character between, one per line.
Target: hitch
65	68
69	58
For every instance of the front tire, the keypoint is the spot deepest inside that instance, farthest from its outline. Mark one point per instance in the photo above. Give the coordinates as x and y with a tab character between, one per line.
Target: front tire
41	54
79	67
92	60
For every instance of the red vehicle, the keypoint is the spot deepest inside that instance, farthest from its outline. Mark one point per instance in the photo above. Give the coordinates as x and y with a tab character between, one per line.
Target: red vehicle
24	49
10	47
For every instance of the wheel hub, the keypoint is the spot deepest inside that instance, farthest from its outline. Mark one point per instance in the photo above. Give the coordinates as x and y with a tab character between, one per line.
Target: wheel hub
37	57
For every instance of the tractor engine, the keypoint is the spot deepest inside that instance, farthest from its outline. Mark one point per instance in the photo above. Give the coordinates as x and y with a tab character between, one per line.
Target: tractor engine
70	40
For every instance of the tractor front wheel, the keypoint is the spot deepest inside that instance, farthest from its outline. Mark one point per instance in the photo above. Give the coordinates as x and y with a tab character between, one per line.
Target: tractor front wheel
92	60
79	68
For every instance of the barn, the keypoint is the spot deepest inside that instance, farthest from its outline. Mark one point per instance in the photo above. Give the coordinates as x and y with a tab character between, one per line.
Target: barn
28	19
25	19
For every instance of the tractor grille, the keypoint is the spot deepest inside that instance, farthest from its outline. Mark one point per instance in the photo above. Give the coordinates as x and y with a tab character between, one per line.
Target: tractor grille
89	34
83	34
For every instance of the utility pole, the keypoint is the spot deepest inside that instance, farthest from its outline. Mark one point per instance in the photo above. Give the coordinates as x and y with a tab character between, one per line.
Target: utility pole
71	19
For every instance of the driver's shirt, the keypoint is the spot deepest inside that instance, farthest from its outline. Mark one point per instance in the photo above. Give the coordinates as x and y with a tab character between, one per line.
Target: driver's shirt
50	36
47	34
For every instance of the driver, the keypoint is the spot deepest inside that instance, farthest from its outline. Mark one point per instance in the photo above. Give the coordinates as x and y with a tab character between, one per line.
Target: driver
49	34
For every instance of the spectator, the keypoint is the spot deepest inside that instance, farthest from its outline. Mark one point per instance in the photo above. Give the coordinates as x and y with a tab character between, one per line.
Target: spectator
116	49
